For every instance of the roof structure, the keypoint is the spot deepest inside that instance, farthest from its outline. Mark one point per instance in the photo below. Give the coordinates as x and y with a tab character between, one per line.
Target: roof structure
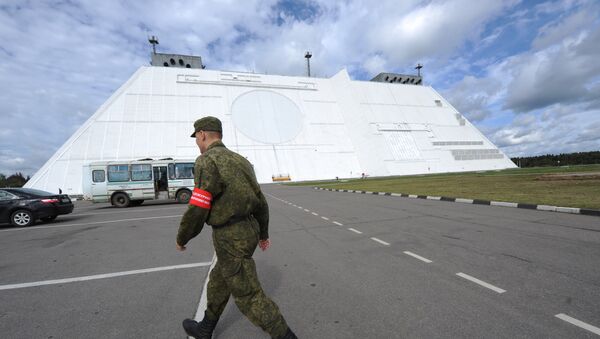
292	127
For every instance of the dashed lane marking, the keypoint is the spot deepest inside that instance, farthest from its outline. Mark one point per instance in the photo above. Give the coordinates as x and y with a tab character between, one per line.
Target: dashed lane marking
578	323
313	213
380	241
354	230
337	223
324	218
101	276
418	257
305	210
481	282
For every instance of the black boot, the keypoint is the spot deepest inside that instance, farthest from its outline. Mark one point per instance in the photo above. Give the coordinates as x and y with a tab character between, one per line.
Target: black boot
289	335
200	330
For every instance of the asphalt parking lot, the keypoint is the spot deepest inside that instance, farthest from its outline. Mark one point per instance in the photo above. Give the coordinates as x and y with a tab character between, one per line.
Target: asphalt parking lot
341	265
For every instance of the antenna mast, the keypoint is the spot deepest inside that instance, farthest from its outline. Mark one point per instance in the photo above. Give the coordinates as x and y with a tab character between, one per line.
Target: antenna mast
418	68
308	55
154	41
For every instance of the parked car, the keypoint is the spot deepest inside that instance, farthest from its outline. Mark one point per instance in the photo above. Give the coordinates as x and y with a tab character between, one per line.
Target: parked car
23	206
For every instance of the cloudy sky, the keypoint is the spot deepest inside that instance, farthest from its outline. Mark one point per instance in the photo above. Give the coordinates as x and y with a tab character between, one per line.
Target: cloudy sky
526	73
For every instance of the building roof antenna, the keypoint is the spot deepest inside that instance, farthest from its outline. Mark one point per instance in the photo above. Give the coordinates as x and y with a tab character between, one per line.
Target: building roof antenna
418	68
154	41
308	55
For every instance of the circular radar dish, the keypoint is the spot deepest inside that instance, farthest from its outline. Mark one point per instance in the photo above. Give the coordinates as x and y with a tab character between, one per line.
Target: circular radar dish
267	117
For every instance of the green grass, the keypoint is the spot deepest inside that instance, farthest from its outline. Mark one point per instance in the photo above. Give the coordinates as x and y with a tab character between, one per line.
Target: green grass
513	185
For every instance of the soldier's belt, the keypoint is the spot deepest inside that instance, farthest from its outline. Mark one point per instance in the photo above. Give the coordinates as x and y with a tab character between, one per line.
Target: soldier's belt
232	220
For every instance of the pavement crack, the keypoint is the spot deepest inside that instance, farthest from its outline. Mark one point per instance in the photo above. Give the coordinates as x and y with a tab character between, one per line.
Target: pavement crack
516	257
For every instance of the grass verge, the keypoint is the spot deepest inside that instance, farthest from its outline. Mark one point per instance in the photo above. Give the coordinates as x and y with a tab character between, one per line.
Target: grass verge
554	186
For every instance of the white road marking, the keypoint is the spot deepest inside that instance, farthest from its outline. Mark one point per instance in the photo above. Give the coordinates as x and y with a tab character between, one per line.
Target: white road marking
132	210
355	231
313	213
465	201
203	299
101	276
88	223
324	218
578	323
305	210
300	207
412	196
381	241
337	223
418	257
434	198
481	282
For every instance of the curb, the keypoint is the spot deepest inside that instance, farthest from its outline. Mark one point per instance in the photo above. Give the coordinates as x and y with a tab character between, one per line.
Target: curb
571	210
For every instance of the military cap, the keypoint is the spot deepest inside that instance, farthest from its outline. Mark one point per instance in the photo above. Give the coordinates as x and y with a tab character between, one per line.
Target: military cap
207	124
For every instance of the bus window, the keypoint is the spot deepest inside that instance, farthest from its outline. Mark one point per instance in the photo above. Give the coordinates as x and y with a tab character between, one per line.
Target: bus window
118	173
98	175
141	172
171	171
184	170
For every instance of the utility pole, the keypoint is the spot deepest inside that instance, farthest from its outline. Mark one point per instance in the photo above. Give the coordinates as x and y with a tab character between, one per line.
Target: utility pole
308	56
154	41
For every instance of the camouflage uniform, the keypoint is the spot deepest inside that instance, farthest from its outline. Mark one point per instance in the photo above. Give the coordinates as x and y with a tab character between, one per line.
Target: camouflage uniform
239	215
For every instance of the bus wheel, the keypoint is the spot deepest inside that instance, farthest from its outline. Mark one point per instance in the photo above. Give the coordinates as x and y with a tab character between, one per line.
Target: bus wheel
120	200
183	196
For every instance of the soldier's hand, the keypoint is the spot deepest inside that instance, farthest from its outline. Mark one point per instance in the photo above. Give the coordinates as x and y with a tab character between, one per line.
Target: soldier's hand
264	244
180	248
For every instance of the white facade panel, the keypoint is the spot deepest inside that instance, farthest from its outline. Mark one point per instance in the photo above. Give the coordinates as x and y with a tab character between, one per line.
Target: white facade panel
305	128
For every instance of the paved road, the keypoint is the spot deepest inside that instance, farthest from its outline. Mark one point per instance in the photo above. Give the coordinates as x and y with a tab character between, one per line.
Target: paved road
338	268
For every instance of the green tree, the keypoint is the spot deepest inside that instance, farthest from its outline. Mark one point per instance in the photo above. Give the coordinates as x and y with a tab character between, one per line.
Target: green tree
16	180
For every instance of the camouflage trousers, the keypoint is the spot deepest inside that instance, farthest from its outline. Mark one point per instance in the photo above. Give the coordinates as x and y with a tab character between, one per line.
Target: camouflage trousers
235	274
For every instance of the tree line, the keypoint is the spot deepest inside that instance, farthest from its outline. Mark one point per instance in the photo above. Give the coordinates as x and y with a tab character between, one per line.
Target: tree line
563	159
13	180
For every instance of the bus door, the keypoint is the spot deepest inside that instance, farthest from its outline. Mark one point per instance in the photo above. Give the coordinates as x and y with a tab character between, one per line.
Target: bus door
161	182
99	190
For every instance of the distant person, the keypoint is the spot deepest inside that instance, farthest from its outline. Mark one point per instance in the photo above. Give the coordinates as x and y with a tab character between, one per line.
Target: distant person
228	197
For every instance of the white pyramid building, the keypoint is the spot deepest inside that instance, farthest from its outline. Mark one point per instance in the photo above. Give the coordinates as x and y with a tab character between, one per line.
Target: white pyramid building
287	126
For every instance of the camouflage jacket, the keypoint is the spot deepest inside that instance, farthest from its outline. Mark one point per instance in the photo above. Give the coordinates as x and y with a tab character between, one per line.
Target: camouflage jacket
229	180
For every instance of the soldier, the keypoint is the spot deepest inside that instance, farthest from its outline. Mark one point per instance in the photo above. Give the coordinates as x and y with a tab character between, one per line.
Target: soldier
228	197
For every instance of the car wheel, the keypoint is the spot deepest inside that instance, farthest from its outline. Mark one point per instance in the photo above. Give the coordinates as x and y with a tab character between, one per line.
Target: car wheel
22	218
48	219
120	200
183	196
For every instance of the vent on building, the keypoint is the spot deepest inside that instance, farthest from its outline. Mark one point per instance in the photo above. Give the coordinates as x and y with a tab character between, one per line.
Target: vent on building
176	60
398	78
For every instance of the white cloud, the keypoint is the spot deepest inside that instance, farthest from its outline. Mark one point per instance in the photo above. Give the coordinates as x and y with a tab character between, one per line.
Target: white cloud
556	31
61	60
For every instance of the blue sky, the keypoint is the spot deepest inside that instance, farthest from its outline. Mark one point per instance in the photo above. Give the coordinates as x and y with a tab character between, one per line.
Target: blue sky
526	73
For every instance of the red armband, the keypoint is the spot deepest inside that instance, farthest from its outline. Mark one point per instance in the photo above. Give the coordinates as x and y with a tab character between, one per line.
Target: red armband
201	198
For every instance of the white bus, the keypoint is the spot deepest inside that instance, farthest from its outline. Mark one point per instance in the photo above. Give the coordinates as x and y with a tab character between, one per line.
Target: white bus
129	183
